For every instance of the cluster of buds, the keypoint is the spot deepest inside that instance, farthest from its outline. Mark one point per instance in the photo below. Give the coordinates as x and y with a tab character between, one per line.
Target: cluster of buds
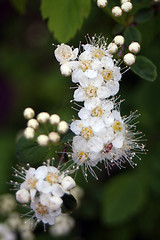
39	128
117	11
43	190
101	134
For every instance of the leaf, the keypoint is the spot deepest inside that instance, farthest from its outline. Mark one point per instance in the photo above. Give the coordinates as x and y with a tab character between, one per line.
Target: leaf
122	198
144	15
132	34
19	5
144	68
65	17
69	202
28	151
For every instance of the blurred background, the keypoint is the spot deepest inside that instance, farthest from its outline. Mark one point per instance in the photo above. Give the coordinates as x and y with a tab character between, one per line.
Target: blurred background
126	204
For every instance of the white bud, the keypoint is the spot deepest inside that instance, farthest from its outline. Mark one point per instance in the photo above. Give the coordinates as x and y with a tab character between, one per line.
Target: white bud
112	48
127	6
55	203
54	137
33	123
62	127
124	1
134	47
119	40
22	196
66	69
43	140
68	183
101	3
117	11
129	59
28	113
54	119
43	117
29	133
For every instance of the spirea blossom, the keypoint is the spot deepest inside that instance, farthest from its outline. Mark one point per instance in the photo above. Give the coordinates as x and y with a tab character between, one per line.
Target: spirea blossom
42	190
101	133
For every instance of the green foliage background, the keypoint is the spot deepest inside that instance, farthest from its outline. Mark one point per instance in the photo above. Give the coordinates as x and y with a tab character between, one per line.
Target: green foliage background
126	204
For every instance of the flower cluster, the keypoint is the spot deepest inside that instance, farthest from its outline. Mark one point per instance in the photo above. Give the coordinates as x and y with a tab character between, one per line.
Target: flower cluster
102	134
117	11
43	190
13	227
44	135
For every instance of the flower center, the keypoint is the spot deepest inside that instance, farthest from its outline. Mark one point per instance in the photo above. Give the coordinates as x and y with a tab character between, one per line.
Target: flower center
41	209
66	54
83	157
31	182
87	132
91	91
98	53
97	112
52	178
107	148
85	65
107	74
117	126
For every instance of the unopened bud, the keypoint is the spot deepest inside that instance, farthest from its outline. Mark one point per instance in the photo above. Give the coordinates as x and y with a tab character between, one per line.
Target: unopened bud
22	196
62	127
127	6
54	137
112	48
129	59
28	113
54	119
117	11
29	133
134	47
43	140
33	123
101	3
43	117
119	40
68	183
65	69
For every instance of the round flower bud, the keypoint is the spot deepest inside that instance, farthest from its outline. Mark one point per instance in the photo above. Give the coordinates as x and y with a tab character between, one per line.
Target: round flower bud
124	1
55	203
43	140
101	3
54	137
22	196
68	183
112	48
54	119
65	69
129	59
28	113
33	123
29	133
62	127
134	47
117	11
127	6
43	117
119	40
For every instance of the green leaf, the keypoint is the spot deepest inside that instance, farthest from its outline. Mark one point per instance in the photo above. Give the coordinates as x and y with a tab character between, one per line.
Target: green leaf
144	68
28	151
144	15
19	5
65	17
69	202
132	34
122	198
